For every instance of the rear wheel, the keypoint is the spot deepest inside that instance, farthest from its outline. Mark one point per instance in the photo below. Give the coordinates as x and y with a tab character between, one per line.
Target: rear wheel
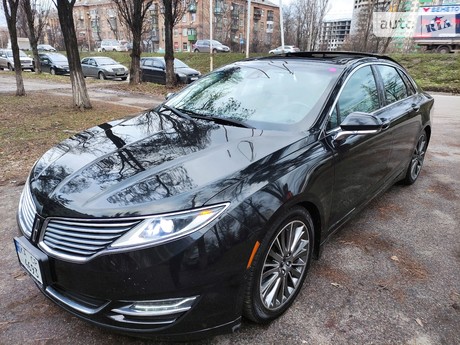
416	162
280	266
196	51
214	51
443	50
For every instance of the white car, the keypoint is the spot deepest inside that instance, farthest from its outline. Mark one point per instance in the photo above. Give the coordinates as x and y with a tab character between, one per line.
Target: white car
110	45
286	49
6	60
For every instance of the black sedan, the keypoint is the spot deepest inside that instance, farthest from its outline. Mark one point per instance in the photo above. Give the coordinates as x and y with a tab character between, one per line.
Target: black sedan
54	63
210	207
103	68
153	69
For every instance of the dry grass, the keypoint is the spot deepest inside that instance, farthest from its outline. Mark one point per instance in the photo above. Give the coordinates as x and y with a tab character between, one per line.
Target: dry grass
30	125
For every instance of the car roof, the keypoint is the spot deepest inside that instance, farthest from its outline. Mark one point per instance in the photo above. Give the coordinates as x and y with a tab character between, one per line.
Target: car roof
336	57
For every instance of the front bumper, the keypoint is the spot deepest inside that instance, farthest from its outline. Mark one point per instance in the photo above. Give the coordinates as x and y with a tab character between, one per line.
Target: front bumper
208	266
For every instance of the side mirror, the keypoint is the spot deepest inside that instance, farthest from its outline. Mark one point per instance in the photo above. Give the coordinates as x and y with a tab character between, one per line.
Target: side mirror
169	95
358	123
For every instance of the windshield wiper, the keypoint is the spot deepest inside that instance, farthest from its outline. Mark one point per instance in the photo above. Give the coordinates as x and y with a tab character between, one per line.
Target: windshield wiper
175	111
221	120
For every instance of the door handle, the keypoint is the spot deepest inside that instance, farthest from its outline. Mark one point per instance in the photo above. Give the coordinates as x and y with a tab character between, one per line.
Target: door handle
415	106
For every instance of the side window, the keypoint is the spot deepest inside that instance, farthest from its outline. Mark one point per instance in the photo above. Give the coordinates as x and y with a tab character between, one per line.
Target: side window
395	89
409	86
358	94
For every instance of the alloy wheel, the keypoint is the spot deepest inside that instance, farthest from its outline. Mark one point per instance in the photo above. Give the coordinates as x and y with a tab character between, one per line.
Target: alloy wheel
284	265
418	157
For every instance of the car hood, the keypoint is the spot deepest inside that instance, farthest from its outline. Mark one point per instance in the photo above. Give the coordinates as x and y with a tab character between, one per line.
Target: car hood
186	70
148	164
112	66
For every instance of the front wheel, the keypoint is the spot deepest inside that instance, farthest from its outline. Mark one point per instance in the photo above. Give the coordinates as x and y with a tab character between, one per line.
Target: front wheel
10	67
101	76
416	162
53	71
280	266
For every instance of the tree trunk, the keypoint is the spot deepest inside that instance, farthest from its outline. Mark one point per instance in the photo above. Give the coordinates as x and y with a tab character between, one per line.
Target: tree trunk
169	49
11	10
79	91
33	39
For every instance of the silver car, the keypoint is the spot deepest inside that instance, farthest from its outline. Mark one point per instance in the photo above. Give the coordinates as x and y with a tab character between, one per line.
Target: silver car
284	49
203	46
103	68
6	60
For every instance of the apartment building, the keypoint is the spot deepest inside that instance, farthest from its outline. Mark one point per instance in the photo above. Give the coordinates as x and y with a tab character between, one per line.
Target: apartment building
98	19
334	33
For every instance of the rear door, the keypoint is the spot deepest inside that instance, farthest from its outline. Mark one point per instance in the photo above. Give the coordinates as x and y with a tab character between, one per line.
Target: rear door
361	161
402	112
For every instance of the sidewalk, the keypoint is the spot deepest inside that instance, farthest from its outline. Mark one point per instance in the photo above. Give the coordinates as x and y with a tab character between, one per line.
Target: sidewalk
96	91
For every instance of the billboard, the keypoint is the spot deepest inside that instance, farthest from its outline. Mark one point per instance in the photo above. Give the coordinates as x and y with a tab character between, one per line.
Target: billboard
438	22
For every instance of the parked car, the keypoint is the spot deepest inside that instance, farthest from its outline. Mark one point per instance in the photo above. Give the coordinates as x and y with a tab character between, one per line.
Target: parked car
112	45
203	46
46	48
154	70
285	49
211	206
103	68
54	63
7	61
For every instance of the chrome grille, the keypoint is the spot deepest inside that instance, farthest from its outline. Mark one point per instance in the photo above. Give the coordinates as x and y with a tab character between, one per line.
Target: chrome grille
27	211
77	240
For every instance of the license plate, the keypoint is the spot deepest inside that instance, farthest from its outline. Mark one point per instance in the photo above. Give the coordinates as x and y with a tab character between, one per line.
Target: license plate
193	78
29	262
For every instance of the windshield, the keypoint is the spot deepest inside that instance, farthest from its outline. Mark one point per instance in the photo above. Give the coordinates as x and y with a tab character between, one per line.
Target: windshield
262	94
9	53
216	43
179	64
59	59
106	61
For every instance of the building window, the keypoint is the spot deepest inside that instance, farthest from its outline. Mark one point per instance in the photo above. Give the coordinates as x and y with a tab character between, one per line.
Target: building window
184	45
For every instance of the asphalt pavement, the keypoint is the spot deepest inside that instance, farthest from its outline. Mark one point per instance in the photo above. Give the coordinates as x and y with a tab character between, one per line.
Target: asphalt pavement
390	276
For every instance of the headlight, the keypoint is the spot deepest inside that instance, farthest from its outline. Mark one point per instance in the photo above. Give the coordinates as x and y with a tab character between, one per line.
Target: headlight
59	66
108	69
167	227
182	75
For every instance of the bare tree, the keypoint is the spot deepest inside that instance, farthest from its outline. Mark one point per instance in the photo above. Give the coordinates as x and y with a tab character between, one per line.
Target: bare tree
10	8
79	91
174	10
133	14
36	15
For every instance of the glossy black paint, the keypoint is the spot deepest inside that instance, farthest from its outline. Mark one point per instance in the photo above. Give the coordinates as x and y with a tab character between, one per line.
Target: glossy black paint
158	162
154	70
54	63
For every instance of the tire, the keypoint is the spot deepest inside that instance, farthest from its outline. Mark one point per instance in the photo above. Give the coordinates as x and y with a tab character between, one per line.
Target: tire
277	269
52	71
101	76
416	162
124	78
10	67
443	50
214	51
103	49
196	51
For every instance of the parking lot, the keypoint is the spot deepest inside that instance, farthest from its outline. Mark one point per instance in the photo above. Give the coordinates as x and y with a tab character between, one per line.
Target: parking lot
390	276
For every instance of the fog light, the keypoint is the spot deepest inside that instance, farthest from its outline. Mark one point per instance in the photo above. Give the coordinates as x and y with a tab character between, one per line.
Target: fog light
157	307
